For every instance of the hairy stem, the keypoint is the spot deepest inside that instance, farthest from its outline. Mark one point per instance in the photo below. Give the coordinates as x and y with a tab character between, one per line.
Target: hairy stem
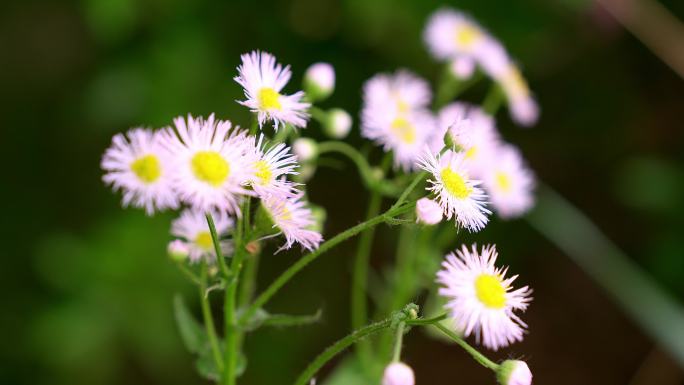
209	318
287	275
337	347
479	357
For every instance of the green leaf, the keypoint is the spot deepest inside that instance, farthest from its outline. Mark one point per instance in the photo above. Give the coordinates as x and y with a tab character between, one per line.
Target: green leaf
193	335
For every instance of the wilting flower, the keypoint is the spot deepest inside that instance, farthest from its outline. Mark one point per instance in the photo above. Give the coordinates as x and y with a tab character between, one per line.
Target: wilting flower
319	81
211	162
514	372
137	164
401	92
294	219
471	131
192	226
398	373
457	194
404	133
509	182
450	34
428	211
263	79
481	299
271	167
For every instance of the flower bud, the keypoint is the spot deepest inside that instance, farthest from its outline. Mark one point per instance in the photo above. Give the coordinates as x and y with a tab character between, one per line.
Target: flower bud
462	68
306	172
319	215
514	372
398	373
338	124
428	211
319	81
305	149
178	250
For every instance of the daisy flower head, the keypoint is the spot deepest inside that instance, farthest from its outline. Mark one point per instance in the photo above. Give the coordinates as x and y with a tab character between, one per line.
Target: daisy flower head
471	131
137	164
522	106
404	133
458	195
402	91
450	34
271	166
481	299
509	182
263	80
294	219
193	228
211	160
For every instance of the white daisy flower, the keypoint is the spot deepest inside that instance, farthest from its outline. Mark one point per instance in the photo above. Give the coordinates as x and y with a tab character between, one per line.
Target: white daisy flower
137	164
402	91
522	106
509	183
471	131
192	227
263	80
481	299
457	194
271	167
294	219
404	133
450	34
211	162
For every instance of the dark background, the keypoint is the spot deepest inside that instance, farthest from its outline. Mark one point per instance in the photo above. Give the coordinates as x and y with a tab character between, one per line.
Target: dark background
87	288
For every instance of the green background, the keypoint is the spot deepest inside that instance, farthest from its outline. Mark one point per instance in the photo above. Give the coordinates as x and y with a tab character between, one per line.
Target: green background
87	289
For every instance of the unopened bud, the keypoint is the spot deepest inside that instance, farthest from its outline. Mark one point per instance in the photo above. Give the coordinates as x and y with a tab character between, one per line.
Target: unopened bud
398	373
462	68
305	149
428	211
338	124
514	372
178	250
319	81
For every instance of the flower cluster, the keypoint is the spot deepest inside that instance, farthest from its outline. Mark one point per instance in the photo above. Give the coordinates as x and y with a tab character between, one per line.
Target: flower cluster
211	166
454	37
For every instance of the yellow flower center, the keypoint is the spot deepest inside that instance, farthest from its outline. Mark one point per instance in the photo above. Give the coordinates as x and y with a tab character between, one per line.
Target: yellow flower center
503	181
466	35
490	291
269	99
515	81
471	153
455	184
263	172
402	128
204	240
147	168
210	167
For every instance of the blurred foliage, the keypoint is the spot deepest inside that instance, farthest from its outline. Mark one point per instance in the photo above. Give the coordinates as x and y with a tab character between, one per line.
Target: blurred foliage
87	289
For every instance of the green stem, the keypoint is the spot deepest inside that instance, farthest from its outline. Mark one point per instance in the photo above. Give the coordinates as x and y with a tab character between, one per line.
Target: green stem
428	321
254	126
364	168
337	347
318	114
359	313
479	357
493	100
305	260
209	318
398	341
409	189
217	246
188	273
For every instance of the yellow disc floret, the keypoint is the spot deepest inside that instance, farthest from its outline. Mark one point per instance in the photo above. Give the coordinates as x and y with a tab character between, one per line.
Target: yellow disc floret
466	35
269	99
210	167
263	172
490	291
503	181
455	184
147	168
204	240
404	130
